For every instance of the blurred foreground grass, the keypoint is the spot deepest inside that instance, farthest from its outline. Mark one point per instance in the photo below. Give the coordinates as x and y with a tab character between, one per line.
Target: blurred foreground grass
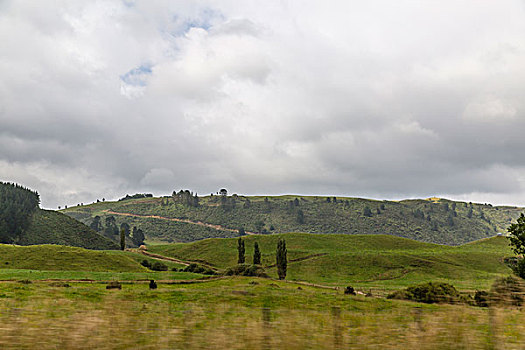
240	313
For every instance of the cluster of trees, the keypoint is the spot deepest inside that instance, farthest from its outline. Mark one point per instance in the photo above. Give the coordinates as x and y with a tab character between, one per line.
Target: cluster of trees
17	204
186	197
136	196
281	256
113	232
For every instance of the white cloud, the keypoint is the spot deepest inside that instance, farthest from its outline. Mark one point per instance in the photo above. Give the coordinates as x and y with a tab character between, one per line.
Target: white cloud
379	99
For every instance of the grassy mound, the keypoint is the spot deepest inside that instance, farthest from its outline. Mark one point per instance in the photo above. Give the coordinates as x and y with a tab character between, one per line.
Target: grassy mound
54	257
51	227
362	260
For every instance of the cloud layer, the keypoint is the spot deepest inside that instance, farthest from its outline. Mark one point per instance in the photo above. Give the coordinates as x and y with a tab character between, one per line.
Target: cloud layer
379	99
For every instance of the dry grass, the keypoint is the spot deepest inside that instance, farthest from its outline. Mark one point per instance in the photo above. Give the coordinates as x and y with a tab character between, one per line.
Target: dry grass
214	317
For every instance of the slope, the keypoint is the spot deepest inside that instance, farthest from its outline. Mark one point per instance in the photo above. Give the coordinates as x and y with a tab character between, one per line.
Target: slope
61	258
363	260
431	220
50	227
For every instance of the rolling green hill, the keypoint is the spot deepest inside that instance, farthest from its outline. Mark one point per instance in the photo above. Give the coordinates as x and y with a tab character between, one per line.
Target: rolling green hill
23	222
432	220
363	260
50	227
61	258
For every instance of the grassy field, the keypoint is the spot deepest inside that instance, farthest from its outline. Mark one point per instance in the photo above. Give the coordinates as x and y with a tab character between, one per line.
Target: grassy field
56	297
432	220
240	313
371	261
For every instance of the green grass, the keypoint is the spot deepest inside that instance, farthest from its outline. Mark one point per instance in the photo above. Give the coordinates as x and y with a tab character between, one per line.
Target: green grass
51	227
55	257
438	221
373	261
240	313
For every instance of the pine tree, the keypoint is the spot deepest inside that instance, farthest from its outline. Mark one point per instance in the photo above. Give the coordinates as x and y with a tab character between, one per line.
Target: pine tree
256	254
240	249
281	259
122	238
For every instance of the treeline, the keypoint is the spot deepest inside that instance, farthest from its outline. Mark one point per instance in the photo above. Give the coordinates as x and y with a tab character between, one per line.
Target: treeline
135	196
109	229
17	204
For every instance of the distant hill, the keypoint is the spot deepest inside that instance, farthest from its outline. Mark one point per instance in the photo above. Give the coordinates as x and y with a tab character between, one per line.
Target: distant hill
364	260
184	217
23	222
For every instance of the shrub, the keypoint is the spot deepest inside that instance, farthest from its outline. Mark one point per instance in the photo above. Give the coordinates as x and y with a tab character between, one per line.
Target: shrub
428	293
508	291
158	266
114	285
145	263
350	290
195	268
246	270
482	298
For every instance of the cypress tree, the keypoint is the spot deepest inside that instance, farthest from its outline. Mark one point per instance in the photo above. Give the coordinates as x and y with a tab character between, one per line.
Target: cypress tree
281	259
122	238
240	249
256	254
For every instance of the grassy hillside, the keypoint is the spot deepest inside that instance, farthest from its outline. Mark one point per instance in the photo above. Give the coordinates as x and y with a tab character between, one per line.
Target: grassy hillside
362	260
432	220
55	258
50	227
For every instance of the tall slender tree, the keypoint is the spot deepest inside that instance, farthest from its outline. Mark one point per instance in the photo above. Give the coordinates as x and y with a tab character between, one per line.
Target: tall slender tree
122	238
281	259
256	254
240	249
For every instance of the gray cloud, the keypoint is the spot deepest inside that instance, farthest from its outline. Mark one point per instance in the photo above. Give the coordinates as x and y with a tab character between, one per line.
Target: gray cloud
383	99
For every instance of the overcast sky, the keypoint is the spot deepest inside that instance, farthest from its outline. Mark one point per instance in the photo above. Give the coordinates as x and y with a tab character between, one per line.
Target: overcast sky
378	99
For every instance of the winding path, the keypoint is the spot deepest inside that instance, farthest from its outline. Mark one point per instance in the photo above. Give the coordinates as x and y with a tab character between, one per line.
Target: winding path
200	223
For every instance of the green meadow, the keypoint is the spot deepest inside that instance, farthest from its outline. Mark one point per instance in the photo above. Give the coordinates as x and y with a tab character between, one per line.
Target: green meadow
55	297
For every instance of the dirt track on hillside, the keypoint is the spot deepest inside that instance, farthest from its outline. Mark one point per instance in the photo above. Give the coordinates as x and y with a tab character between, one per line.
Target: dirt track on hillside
200	223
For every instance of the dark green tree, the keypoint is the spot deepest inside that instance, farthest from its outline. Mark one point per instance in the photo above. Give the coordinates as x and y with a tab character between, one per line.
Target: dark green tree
125	226
367	212
281	259
96	224
138	236
240	250
111	227
256	254
517	235
242	232
122	238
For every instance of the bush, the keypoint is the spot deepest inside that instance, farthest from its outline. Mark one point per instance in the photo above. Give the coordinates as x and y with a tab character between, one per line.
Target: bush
246	270
428	293
350	290
146	263
482	298
114	285
158	266
195	268
508	291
